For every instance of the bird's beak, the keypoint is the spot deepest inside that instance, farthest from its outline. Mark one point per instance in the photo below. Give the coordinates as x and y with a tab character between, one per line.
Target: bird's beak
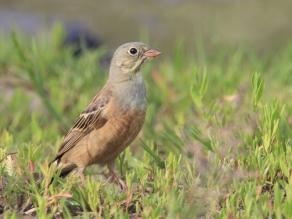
151	53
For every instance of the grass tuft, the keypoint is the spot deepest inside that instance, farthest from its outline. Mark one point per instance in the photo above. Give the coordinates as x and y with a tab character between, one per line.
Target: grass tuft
216	141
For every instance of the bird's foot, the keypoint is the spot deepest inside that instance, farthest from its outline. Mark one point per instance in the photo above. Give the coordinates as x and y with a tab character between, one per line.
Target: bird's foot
81	175
114	178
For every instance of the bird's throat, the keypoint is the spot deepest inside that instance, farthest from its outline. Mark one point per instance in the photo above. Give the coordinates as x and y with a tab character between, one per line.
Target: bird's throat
131	93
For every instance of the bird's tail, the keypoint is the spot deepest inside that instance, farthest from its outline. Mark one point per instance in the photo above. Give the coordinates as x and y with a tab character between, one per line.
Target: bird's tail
65	170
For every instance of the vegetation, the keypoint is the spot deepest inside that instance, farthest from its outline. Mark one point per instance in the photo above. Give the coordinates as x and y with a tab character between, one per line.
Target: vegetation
216	142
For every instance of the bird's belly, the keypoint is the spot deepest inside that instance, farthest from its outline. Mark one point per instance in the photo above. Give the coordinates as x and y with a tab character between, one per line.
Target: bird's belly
107	143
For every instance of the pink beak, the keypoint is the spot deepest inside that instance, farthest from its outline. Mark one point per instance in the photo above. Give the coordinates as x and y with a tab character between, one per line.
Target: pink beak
151	53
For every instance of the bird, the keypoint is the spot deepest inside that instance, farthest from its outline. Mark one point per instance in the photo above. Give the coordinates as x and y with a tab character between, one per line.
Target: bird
113	119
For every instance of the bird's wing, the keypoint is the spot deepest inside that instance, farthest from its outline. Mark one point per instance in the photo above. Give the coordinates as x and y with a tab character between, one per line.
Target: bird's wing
90	119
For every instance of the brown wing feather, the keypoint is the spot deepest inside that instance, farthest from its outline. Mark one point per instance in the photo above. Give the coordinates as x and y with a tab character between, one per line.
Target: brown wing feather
88	120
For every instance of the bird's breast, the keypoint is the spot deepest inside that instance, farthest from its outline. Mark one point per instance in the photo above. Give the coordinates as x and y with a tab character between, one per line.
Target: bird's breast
119	131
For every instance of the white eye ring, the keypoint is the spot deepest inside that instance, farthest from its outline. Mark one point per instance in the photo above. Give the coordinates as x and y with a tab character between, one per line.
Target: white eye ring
133	51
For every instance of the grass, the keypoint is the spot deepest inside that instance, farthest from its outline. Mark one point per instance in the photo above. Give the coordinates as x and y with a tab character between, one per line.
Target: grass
216	141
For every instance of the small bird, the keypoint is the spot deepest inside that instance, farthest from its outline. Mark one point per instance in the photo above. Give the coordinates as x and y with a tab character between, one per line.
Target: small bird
112	119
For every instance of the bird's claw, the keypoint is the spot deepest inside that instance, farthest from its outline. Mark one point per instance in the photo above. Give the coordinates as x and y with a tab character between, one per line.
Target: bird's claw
114	178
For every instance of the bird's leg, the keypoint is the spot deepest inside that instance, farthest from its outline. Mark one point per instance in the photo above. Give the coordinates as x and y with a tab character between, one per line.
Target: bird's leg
113	177
81	175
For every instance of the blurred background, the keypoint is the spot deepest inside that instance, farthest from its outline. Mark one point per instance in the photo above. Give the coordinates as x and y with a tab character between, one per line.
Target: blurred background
217	134
260	24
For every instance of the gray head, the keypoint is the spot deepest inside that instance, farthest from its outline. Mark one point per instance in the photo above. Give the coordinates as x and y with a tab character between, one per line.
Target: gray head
128	59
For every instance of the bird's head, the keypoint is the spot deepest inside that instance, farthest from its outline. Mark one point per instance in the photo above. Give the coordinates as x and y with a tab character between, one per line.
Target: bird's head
129	57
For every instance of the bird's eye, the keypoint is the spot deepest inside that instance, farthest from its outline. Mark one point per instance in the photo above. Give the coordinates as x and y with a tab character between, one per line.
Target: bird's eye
133	51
